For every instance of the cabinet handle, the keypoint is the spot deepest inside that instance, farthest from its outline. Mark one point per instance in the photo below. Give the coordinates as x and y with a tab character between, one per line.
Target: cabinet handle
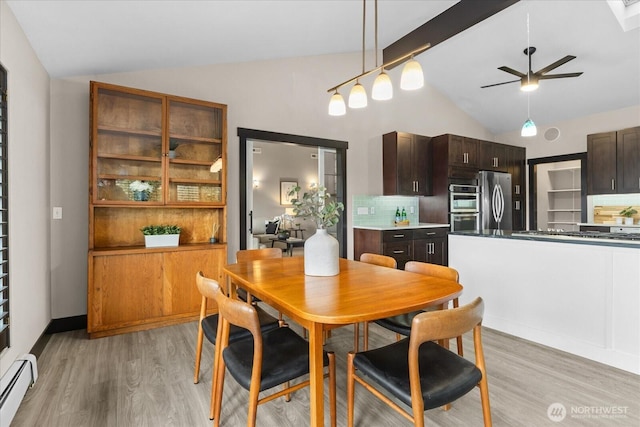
613	184
517	189
398	236
417	186
398	252
465	158
497	162
517	205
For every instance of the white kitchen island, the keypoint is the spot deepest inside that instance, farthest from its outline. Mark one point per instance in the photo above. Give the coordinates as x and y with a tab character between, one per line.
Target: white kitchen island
580	298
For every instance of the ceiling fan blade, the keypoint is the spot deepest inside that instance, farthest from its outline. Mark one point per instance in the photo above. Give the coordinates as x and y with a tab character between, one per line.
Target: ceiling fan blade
559	76
512	71
498	84
555	64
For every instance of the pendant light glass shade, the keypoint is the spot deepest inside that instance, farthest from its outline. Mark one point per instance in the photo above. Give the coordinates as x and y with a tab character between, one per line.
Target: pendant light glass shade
529	128
412	77
337	106
357	96
382	88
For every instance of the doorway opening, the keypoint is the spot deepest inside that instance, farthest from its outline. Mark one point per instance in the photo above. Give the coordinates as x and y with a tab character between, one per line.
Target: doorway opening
330	170
558	192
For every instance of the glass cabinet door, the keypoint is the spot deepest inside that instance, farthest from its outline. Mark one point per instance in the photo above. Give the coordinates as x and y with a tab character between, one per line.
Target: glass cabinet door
195	155
127	157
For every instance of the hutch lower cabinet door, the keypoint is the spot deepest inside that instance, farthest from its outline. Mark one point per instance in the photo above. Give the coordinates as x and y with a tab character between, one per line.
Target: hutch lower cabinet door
135	291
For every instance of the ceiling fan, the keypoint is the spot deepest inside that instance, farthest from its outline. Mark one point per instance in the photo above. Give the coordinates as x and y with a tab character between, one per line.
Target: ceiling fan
529	81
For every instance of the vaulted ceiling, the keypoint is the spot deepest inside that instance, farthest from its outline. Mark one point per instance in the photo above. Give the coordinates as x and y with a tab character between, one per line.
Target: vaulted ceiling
106	36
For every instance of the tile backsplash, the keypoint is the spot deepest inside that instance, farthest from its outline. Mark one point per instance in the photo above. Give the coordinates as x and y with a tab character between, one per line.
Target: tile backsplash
381	210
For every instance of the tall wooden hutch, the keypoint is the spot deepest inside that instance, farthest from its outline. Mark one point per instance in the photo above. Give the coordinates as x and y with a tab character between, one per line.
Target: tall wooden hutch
169	144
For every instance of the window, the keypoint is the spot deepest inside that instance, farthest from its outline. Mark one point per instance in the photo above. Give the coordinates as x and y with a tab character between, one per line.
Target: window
4	216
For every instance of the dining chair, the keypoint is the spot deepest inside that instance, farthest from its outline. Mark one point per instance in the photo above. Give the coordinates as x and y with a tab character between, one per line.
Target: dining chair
420	373
208	325
263	360
401	324
383	261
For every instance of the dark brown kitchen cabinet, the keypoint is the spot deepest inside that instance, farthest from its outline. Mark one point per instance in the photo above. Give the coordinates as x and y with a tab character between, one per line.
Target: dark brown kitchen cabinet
493	156
405	244
516	158
628	154
463	151
430	244
405	164
613	162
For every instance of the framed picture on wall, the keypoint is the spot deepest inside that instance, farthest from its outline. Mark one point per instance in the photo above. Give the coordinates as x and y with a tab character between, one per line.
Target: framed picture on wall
285	188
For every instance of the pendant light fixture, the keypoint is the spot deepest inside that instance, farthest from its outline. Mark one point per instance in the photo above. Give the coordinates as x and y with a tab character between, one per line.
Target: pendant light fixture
337	106
382	89
358	96
411	79
529	127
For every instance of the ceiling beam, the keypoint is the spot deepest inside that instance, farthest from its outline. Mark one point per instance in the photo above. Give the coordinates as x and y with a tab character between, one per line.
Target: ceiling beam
452	21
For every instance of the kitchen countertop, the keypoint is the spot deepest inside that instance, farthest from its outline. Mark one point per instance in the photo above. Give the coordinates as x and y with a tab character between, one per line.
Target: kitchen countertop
508	234
404	227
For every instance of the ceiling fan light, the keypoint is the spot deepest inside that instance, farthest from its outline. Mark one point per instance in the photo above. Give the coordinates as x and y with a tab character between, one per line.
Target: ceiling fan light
412	77
337	106
529	128
529	85
382	88
357	96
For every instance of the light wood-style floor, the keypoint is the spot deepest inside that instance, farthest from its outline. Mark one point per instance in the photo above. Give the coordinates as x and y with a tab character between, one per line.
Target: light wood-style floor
145	379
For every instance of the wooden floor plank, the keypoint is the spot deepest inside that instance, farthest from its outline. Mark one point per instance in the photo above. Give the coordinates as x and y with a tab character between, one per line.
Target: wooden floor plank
146	379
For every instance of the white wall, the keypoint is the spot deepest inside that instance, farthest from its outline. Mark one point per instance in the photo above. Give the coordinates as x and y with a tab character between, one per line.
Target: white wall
29	224
288	96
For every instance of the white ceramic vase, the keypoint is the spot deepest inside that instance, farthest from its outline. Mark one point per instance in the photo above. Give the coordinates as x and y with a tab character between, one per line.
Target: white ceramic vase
321	254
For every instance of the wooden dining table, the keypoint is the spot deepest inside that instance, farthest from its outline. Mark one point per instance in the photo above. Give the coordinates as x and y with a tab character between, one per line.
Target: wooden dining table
360	292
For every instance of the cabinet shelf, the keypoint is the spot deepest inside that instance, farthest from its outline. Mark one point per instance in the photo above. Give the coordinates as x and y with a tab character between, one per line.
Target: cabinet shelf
186	138
191	162
130	157
129	177
195	181
138	132
569	169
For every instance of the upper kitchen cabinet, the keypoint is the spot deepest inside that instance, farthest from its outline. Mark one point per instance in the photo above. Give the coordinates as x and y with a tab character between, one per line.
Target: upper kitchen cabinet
462	151
493	156
613	162
406	164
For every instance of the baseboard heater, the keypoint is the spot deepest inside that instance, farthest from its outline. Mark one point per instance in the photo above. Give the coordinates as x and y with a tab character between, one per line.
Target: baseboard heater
22	374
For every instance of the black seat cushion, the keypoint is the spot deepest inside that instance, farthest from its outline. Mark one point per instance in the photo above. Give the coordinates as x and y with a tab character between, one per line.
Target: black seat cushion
210	326
285	356
401	324
242	294
444	376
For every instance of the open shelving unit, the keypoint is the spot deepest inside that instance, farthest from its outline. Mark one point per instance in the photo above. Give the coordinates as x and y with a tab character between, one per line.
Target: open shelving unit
564	209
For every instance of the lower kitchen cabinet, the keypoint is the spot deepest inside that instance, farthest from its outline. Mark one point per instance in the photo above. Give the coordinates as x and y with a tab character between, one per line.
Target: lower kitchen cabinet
430	245
405	244
138	289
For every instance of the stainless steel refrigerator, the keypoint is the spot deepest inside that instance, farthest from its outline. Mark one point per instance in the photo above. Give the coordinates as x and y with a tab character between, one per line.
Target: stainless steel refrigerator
495	205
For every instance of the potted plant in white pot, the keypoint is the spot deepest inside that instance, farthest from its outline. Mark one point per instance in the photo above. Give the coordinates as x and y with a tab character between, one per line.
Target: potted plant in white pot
321	251
156	236
628	214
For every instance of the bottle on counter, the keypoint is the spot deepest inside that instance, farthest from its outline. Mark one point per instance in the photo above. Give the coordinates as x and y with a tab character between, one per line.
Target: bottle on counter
404	214
398	218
